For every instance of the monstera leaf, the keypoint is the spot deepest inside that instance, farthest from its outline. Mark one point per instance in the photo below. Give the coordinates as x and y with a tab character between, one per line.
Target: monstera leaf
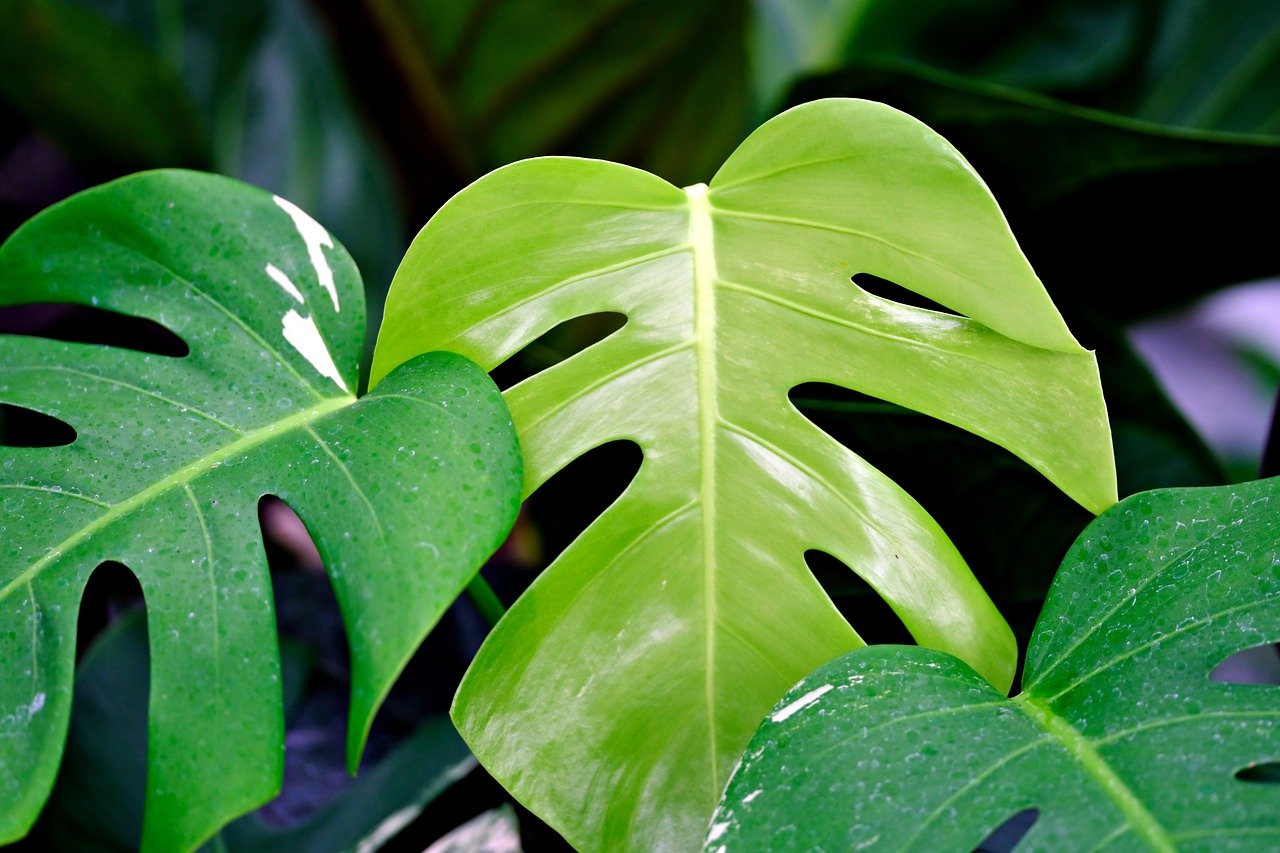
1120	740
617	694
405	491
97	803
1124	189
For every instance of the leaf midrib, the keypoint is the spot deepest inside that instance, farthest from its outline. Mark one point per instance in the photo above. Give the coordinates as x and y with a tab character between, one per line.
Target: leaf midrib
179	478
702	242
1086	756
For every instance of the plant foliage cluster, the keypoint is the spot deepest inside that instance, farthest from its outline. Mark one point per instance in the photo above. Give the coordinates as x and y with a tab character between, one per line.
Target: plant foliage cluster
864	403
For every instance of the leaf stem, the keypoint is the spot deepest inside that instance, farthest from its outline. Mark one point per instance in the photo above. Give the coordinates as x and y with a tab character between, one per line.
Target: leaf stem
485	600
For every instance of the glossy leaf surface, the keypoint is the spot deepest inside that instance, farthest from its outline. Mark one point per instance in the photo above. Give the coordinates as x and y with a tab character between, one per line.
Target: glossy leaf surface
1121	191
618	692
1120	739
405	491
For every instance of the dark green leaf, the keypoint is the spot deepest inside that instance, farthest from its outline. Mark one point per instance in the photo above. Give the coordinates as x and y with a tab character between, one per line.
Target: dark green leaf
384	799
661	84
1076	49
1183	63
95	89
1214	65
792	38
263	101
98	801
1120	738
405	491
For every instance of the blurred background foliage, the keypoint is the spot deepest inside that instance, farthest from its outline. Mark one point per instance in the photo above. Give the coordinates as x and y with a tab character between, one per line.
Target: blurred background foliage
1134	145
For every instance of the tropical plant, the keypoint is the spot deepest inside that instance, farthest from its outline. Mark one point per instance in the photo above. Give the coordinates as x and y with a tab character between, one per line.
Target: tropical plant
406	490
1130	143
685	594
1118	739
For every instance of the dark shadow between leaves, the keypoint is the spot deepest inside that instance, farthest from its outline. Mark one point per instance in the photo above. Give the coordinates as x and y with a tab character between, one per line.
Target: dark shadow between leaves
1266	773
555	345
317	698
317	692
1009	834
868	613
1254	665
894	292
1008	521
86	325
575	496
21	427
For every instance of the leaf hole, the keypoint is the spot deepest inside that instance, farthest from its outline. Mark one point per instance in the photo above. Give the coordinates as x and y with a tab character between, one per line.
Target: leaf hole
87	325
894	292
286	537
557	344
315	656
868	613
566	504
1254	665
831	403
20	427
111	592
1266	773
964	482
1009	834
315	669
101	784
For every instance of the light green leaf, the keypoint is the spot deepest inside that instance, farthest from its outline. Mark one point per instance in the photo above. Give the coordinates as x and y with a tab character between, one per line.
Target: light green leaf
1125	189
1120	740
405	491
617	694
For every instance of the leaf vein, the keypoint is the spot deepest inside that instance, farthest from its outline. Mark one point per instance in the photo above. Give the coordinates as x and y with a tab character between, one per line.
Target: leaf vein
213	583
184	474
1199	623
346	472
112	381
55	491
973	783
1143	584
